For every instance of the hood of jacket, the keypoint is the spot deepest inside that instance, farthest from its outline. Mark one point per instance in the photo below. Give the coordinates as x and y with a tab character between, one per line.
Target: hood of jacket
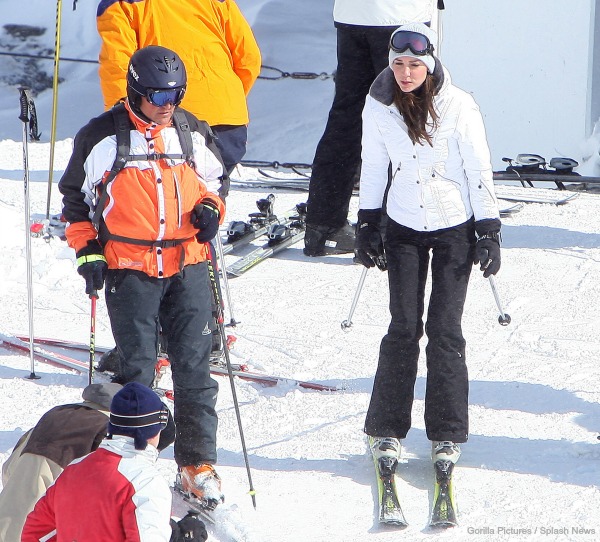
384	86
123	446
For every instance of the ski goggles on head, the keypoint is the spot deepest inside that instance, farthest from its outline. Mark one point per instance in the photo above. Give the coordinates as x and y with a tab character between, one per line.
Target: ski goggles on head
160	97
417	43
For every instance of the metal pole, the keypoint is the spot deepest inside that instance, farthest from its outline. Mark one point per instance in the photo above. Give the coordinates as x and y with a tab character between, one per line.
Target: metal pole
212	272
232	320
93	298
347	324
54	102
503	319
25	99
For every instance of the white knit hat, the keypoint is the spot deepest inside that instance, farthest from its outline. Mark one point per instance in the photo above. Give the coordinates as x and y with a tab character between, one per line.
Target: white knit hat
419	28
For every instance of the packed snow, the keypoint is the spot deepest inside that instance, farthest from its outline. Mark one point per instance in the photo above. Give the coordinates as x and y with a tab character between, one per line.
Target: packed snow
530	470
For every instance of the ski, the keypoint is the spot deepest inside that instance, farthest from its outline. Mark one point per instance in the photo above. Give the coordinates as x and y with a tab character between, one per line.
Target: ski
281	236
511	210
47	353
42	354
63	344
443	509
534	195
390	511
268	380
549	177
241	233
192	503
225	522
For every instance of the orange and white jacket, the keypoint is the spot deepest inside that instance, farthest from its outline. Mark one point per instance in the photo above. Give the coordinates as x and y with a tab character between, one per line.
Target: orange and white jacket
148	200
212	37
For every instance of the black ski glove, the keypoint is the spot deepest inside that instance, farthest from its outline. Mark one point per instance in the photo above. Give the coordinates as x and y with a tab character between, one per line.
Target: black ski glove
487	248
368	246
205	217
189	529
92	266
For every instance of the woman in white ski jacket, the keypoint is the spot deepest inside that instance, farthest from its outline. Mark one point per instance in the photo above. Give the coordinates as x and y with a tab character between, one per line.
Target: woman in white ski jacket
426	169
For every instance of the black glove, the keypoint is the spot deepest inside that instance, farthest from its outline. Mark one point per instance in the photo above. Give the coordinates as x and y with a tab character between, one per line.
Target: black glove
368	245
92	266
190	528
487	248
205	217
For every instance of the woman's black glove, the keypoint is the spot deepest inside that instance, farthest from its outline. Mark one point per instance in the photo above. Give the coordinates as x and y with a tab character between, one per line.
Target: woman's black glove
189	529
368	245
205	217
487	248
92	266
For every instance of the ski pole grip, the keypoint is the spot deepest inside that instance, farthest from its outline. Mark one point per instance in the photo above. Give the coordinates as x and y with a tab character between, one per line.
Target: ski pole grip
94	295
24	101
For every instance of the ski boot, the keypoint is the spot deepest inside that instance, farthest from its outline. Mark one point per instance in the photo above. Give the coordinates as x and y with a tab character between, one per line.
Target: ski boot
325	240
444	451
385	447
202	484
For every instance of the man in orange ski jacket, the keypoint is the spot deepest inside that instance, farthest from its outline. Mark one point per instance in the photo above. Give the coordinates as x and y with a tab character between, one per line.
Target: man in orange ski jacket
146	232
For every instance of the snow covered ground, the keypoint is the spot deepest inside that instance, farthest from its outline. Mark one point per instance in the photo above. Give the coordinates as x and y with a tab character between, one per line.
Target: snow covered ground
531	468
532	461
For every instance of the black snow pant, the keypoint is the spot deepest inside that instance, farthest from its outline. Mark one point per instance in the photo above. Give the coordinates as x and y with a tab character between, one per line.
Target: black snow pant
136	304
447	391
362	53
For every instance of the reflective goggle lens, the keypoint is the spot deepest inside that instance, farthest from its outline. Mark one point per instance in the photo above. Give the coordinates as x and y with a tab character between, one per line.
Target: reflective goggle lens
162	97
417	43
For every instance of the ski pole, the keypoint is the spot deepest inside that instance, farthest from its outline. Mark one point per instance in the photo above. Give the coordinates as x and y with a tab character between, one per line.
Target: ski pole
93	298
213	275
26	101
503	319
347	324
232	320
54	101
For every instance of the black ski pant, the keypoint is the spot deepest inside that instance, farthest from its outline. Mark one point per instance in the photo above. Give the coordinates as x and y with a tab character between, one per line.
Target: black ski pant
447	391
362	53
136	304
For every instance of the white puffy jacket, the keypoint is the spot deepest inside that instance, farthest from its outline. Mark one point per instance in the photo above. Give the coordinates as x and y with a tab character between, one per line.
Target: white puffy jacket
432	187
383	12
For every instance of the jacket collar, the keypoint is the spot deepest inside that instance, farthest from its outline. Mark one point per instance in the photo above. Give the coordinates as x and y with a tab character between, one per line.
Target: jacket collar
383	87
148	128
124	446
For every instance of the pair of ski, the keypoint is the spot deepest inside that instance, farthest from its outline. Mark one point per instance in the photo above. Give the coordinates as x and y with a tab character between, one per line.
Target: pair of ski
57	352
282	232
443	509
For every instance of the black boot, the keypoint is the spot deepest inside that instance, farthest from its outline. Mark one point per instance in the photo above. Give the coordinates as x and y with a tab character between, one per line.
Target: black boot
322	240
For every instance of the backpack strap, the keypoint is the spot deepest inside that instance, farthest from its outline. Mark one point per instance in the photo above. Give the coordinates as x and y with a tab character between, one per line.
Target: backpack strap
185	139
122	127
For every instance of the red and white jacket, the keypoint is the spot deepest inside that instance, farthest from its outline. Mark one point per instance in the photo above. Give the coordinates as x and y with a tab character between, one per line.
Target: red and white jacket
115	493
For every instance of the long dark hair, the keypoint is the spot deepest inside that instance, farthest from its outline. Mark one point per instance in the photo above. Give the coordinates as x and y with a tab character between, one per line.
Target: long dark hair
418	112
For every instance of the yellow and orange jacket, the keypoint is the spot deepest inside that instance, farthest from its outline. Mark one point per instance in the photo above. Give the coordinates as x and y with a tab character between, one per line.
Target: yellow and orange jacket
212	37
148	200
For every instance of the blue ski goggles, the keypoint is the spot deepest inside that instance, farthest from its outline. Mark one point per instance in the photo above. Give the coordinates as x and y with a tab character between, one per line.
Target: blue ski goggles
417	43
160	97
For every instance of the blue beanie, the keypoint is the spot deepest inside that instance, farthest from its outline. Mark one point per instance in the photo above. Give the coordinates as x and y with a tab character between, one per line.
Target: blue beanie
137	411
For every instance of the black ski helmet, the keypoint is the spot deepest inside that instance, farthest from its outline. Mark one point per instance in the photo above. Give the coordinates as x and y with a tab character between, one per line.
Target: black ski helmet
154	67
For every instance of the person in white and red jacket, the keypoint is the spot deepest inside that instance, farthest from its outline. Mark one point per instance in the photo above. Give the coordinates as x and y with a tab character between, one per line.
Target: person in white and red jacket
116	493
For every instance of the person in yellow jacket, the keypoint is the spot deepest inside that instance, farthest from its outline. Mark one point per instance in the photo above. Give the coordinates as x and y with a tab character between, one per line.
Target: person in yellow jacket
215	43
